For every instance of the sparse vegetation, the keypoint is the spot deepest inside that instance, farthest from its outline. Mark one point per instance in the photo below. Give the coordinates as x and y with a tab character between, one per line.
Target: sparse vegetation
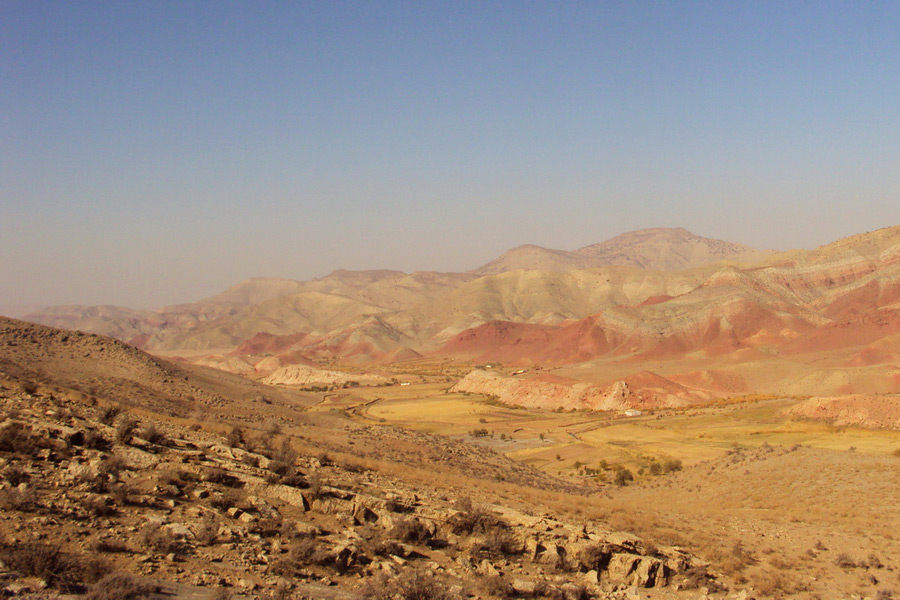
411	584
120	586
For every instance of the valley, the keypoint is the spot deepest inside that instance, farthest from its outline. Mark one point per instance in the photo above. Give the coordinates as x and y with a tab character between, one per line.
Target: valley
723	430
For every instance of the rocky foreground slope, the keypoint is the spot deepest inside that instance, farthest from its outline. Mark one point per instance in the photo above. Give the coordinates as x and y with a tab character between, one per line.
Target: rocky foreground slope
227	498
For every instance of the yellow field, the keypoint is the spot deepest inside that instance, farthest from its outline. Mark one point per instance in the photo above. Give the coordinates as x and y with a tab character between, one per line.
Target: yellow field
561	443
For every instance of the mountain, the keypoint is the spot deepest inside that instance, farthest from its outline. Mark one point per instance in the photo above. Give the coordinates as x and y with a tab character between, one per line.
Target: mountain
661	249
824	320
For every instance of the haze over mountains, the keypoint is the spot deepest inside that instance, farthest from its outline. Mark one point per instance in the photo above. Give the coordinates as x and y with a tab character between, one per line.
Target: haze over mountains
708	315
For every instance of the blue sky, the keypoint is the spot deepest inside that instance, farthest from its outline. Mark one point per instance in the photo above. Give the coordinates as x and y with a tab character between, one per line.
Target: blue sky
154	152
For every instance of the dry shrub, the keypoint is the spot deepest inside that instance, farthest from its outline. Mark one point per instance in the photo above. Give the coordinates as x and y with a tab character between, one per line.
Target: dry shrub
18	437
410	584
48	562
112	465
235	438
126	428
498	586
159	539
411	530
500	541
207	533
844	561
303	552
14	499
472	518
770	583
120	586
108	414
14	475
227	499
110	547
153	434
98	506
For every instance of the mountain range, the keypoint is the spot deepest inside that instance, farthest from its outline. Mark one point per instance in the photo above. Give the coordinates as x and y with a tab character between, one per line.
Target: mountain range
708	314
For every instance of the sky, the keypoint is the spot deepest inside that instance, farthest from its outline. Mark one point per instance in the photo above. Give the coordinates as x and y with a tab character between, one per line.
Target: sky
158	152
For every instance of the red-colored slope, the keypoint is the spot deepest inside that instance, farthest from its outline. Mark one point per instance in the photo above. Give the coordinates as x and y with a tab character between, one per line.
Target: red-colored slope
268	343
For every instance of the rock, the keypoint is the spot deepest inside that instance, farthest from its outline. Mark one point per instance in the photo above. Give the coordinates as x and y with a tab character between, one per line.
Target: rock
621	566
633	569
533	549
363	514
524	587
487	569
180	531
650	572
554	555
246	517
290	495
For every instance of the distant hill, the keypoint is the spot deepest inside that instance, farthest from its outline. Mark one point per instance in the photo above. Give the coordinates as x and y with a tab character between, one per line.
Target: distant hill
661	249
718	312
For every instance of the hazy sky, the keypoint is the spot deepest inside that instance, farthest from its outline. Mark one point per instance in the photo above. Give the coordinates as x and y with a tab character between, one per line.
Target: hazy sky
154	152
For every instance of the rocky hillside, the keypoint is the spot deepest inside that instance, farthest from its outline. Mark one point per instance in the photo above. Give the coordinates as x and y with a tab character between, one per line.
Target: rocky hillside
264	500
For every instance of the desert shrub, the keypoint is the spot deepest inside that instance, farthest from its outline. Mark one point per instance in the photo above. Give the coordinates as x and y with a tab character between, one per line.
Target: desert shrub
410	584
737	560
157	538
897	452
207	533
235	438
120	586
126	428
655	468
94	440
268	527
884	594
499	587
282	465
671	465
44	561
18	437
873	562
500	541
411	530
112	465
324	459
622	476
222	594
316	487
14	499
108	547
153	434
108	414
480	432
97	506
250	459
471	518
844	561
14	475
217	475
227	499
303	552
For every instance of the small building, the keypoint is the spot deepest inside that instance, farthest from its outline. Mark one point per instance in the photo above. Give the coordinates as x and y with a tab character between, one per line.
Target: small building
633	412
